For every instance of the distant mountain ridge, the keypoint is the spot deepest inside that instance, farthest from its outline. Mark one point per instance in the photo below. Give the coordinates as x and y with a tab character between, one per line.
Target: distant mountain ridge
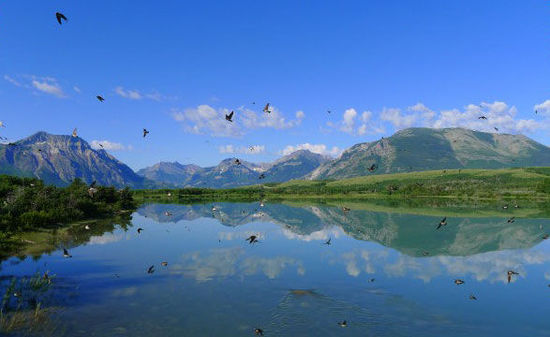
421	149
59	159
229	174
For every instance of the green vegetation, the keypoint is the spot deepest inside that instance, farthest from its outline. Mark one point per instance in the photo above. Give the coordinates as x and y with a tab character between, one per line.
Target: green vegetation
28	204
467	185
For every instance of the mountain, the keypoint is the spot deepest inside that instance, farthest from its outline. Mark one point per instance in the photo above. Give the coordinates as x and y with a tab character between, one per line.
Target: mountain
228	174
420	149
171	173
59	159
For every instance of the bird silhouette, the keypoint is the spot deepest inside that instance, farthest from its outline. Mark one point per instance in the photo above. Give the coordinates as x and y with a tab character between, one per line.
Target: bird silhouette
229	117
343	324
164	263
262	176
145	132
99	98
496	129
511	220
266	108
139	230
510	273
328	242
151	269
482	117
372	168
258	332
60	16
442	223
459	282
252	239
66	253
237	162
472	297
75	134
346	209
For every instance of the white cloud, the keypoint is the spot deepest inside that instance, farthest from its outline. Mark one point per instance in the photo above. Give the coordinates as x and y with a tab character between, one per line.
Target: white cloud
206	119
127	93
397	118
12	81
253	149
349	124
77	89
108	145
315	148
349	120
48	86
543	108
275	119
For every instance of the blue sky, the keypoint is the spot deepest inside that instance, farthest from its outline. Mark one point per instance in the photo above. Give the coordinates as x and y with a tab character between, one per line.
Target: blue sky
175	67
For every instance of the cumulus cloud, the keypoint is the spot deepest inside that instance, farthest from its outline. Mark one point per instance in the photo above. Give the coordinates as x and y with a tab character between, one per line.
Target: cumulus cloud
315	148
108	145
543	108
231	149
354	123
206	119
254	120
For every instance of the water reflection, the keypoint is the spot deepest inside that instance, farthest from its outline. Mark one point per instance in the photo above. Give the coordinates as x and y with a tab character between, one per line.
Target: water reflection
387	274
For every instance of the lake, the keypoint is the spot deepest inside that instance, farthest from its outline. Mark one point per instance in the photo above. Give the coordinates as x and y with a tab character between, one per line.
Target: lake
384	273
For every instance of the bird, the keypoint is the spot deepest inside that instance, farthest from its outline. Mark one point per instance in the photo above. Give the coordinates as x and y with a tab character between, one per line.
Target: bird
2	125
66	253
167	213
145	132
510	273
74	133
512	219
59	17
343	324
472	297
262	176
328	111
229	117
87	227
139	230
505	207
99	98
346	209
425	253
328	242
482	117
459	282
93	183
372	279
100	145
266	108
442	223
372	168
258	332
536	111
214	208
252	239
164	263
237	162
496	129
151	269
545	236
92	191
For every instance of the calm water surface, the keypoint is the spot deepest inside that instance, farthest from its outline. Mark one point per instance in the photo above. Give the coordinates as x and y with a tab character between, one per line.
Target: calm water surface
387	274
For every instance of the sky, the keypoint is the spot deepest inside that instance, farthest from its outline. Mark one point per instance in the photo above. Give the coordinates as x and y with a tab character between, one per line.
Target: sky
177	67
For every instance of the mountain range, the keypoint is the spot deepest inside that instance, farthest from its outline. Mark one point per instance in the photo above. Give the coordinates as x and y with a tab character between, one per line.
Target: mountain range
59	159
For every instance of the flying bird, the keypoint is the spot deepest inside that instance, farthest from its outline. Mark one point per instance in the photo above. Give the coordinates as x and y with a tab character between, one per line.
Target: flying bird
60	17
167	213
164	263
252	239
262	176
459	282
512	219
237	162
482	117
258	332
99	98
496	129
87	227
442	223
139	230
151	269
372	168
346	209
343	324
328	242
145	132
510	273
66	253
328	111
472	297
266	108
75	134
229	117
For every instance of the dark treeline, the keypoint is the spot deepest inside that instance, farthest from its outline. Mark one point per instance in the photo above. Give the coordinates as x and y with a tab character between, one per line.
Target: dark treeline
29	204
